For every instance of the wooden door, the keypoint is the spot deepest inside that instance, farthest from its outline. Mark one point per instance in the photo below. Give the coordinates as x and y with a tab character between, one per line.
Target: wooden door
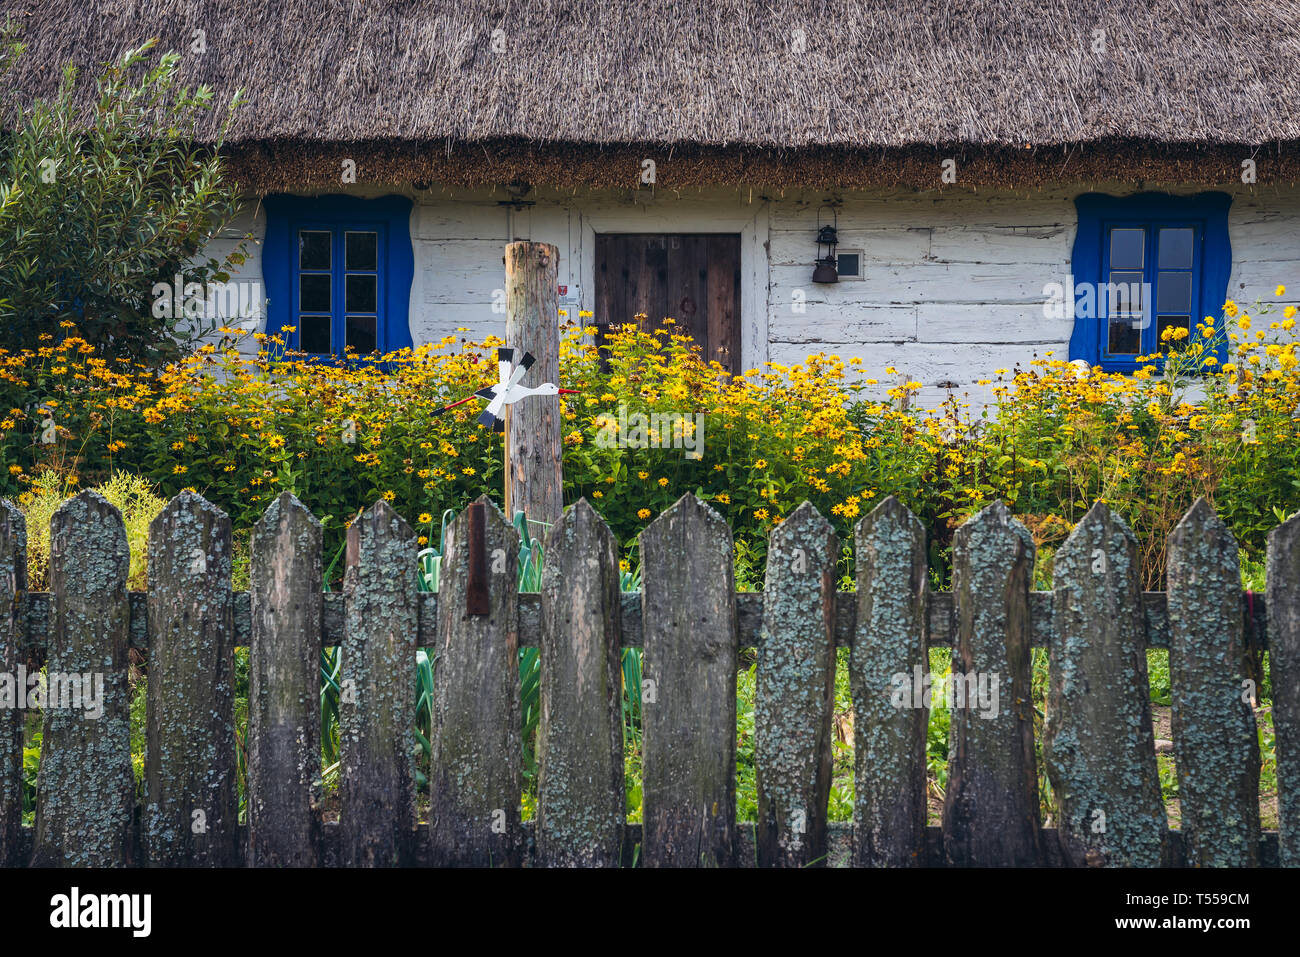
693	278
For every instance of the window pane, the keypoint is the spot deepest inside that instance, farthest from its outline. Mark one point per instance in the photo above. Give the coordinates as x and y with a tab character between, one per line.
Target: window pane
361	294
1125	337
849	264
314	334
1176	248
361	333
1126	248
1124	294
1174	292
314	293
1172	322
361	251
313	249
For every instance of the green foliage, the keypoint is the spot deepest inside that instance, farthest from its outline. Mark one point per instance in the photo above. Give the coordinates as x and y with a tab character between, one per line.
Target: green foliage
134	496
103	194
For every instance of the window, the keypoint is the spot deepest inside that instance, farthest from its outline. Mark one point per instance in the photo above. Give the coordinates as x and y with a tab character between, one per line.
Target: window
849	264
1142	265
338	269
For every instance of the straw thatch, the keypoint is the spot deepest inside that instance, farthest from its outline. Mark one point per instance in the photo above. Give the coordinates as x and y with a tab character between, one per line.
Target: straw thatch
764	79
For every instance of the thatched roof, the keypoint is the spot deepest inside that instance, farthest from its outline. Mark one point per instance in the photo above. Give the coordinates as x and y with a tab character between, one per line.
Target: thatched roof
766	74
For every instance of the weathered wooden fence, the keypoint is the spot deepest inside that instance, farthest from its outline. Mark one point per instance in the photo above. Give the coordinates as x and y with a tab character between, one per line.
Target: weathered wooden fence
1097	743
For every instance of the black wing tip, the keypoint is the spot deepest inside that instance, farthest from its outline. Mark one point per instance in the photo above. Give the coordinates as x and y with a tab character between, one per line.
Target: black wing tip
487	419
499	425
528	360
505	354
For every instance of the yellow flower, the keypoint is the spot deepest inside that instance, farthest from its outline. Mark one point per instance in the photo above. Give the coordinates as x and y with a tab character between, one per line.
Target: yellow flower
643	475
1280	291
389	496
643	513
723	497
425	518
760	464
663	483
760	514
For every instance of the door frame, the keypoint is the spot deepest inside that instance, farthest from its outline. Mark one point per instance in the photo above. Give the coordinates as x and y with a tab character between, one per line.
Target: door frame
671	217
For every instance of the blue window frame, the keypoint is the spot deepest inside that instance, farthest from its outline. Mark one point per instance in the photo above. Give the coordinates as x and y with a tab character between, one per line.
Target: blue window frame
1143	264
338	269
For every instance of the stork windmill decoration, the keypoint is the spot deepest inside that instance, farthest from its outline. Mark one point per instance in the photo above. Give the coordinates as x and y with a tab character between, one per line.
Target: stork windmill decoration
507	390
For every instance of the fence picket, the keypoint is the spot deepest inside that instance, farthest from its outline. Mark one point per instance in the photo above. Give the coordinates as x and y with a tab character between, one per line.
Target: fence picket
1283	603
475	776
890	809
795	696
1098	742
990	814
1215	746
191	814
688	697
581	805
85	790
377	703
284	685
13	583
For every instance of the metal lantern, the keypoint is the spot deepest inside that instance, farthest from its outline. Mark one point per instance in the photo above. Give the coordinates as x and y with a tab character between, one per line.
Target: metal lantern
826	267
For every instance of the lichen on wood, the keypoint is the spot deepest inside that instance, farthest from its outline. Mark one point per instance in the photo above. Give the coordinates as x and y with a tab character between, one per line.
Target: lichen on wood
688	613
1098	743
1216	750
377	703
475	763
990	814
581	804
284	685
191	811
13	585
85	790
889	811
795	694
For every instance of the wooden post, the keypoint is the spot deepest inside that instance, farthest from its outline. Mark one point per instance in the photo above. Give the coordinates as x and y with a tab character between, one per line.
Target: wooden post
1283	609
890	715
85	791
13	583
475	754
534	477
688	697
284	685
377	788
1216	749
796	691
581	808
990	813
191	814
1097	742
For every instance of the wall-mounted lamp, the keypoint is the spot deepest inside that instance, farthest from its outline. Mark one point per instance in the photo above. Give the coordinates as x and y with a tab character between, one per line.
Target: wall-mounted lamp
825	270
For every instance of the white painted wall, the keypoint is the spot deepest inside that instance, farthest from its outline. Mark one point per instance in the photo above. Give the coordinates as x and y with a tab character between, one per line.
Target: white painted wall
952	286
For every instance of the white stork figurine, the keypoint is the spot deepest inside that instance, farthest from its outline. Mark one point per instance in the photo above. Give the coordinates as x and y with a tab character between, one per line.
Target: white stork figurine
508	391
